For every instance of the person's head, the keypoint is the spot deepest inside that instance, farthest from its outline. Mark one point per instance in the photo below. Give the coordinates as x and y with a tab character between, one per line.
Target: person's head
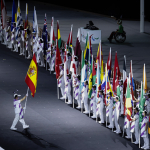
78	77
101	92
144	113
116	98
61	66
69	76
86	83
121	82
136	110
68	54
15	96
14	24
93	87
76	58
110	94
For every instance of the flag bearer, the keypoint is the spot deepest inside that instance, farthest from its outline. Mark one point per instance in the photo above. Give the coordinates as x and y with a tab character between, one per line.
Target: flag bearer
101	102
93	101
144	130
116	115
121	97
18	113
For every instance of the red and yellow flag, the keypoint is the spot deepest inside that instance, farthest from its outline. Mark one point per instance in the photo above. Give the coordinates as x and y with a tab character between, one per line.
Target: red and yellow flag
31	77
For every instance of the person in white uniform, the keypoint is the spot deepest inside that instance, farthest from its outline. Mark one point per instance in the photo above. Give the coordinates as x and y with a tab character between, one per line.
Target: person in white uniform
116	115
109	106
144	130
136	128
68	89
93	101
85	97
61	82
101	108
121	98
18	113
147	104
77	91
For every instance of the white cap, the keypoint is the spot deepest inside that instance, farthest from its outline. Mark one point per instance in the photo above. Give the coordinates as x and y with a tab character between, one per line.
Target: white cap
17	95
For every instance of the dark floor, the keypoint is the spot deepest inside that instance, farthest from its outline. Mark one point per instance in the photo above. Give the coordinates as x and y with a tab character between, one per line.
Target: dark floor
53	124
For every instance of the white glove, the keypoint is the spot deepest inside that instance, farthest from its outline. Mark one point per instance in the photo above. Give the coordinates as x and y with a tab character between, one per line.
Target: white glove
27	94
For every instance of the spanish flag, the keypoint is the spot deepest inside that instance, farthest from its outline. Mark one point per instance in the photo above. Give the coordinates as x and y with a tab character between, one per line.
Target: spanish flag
31	77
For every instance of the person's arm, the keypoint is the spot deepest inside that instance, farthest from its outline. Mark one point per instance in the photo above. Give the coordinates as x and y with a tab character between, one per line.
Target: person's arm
60	77
23	98
146	127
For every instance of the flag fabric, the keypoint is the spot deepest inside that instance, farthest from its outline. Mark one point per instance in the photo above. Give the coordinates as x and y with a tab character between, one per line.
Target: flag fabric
32	74
117	90
149	126
144	80
116	67
141	105
131	81
77	51
86	51
109	62
35	24
69	41
66	71
14	15
58	61
124	82
45	36
128	102
4	14
19	20
92	78
52	35
98	82
58	35
26	20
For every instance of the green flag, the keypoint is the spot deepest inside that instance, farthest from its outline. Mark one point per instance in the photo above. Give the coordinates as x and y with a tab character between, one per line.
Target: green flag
141	105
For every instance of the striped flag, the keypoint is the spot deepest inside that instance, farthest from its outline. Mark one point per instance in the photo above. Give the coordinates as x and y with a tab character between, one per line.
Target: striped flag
86	50
14	15
109	62
131	81
19	20
58	35
144	79
69	41
35	24
32	74
4	14
98	82
52	35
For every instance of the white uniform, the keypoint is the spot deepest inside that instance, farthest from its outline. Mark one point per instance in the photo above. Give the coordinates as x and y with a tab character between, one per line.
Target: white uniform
77	93
101	113
116	115
61	83
85	98
13	39
144	133
127	126
110	108
93	103
53	60
68	91
121	99
18	114
147	103
22	51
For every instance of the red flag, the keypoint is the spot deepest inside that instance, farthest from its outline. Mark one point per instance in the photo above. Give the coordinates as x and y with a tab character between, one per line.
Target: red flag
58	61
131	80
116	67
3	12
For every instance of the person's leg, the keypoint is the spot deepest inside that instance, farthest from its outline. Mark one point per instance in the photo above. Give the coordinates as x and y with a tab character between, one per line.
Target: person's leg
102	115
15	122
23	123
110	118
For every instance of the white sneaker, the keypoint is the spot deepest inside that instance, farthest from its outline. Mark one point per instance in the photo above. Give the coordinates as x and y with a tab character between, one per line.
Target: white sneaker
145	148
142	147
54	72
99	122
26	126
62	97
85	112
69	103
93	117
136	142
127	137
13	128
115	131
118	132
78	107
21	54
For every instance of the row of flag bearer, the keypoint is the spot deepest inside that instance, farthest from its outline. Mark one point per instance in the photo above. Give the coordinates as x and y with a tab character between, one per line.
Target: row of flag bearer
80	76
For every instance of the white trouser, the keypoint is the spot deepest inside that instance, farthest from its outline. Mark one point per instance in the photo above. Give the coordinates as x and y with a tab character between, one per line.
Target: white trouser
110	117
16	121
16	45
116	122
101	114
94	109
79	101
122	105
68	95
85	100
29	52
136	132
146	141
52	64
41	58
128	131
62	88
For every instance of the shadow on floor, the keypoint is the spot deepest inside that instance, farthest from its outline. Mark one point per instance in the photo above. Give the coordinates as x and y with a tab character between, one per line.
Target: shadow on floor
39	141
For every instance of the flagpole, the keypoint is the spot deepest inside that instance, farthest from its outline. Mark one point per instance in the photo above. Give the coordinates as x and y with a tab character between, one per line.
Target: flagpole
106	89
73	96
57	79
26	99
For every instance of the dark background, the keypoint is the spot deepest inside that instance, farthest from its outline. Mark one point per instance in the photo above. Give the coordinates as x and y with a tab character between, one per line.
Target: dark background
128	9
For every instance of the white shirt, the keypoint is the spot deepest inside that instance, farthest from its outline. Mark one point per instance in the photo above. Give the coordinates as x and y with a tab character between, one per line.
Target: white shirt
17	106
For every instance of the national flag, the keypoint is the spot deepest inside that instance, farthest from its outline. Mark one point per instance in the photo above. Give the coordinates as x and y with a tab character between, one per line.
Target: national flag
128	102
92	78
124	82
69	41
131	81
116	67
141	105
77	51
52	35
144	80
19	20
58	61
32	74
4	13
14	15
26	20
45	36
58	35
65	64
109	62
117	88
98	82
149	126
86	51
35	24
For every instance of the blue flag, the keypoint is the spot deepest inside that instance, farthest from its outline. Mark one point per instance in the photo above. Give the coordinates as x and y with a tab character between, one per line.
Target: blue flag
14	15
